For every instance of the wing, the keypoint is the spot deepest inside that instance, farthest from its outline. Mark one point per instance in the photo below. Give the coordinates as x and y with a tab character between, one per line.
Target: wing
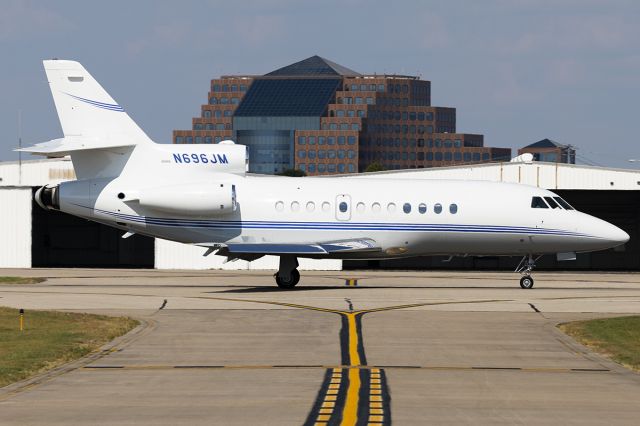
252	251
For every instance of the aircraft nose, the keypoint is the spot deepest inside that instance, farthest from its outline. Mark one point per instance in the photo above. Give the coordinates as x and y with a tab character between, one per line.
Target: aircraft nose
613	235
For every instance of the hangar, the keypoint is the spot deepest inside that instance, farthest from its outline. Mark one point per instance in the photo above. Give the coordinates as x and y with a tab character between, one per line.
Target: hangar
610	194
32	237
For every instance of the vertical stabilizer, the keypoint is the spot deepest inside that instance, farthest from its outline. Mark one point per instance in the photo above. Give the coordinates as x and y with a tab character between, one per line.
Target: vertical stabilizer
86	110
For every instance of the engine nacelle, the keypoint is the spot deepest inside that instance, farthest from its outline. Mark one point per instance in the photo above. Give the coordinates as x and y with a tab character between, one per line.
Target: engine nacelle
191	199
48	197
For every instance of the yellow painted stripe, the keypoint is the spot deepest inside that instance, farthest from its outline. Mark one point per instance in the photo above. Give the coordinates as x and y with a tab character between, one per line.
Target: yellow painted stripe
350	412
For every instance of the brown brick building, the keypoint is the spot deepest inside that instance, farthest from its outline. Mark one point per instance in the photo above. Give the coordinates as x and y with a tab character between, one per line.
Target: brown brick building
323	118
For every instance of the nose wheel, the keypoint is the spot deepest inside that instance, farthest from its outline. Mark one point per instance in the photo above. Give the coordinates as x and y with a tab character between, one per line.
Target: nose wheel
526	282
525	267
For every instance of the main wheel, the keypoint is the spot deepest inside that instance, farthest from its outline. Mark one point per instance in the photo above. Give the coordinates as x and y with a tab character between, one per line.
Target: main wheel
294	277
526	282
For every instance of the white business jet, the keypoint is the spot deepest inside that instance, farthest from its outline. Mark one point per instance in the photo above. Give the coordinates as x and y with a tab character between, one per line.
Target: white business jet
201	195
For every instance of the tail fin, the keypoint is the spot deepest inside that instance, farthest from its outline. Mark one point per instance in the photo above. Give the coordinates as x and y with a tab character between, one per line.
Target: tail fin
85	109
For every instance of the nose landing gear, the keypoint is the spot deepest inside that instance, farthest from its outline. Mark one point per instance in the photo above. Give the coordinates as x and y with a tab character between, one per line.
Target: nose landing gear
525	267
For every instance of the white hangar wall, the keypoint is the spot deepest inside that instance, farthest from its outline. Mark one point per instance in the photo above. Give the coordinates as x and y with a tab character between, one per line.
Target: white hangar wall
15	227
543	175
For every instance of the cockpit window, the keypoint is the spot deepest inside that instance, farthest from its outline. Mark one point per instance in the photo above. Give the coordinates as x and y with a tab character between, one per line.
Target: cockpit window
552	203
563	203
538	203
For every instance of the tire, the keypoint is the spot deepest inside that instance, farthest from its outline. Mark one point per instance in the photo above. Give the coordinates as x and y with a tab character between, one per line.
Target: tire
526	282
294	278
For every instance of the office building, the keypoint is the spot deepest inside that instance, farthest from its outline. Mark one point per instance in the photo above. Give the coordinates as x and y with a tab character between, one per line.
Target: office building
323	118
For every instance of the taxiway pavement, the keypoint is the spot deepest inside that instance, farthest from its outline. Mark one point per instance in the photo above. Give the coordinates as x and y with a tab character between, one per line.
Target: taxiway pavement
222	347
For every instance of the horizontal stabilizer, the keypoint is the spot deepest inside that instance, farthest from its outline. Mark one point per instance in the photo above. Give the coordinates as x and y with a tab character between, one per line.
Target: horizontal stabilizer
65	146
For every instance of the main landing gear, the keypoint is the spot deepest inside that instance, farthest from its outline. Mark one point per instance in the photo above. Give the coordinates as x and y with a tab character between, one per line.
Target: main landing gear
525	267
287	275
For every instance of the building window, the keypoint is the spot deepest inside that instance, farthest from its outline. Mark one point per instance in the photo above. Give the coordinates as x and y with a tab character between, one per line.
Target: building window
422	208
341	140
467	156
302	153
213	101
302	167
476	156
406	207
312	140
312	168
302	140
189	139
322	154
340	113
351	140
198	139
341	168
457	156
208	139
321	140
179	139
437	208
331	140
322	168
331	153
351	113
234	101
429	156
217	113
351	154
216	88
243	87
312	154
351	168
485	156
447	156
380	87
369	101
217	139
438	156
344	126
228	113
331	168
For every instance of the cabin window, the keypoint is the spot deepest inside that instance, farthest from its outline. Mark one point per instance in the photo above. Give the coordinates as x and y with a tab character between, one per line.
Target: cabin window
279	206
311	206
552	203
422	208
360	207
343	207
406	207
326	206
391	207
538	203
375	207
453	208
295	206
437	208
563	203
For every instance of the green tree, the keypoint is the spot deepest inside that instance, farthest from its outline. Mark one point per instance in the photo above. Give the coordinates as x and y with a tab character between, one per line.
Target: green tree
292	173
374	167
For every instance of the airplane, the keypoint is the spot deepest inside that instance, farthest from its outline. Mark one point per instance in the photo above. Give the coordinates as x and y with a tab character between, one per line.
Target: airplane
203	195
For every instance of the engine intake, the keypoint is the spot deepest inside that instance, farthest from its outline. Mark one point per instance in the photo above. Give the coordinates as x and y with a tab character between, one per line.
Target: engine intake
48	197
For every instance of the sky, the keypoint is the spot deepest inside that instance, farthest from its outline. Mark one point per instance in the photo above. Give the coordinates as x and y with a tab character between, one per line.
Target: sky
516	70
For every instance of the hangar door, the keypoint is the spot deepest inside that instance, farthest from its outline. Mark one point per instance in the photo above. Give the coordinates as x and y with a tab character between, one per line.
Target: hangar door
62	240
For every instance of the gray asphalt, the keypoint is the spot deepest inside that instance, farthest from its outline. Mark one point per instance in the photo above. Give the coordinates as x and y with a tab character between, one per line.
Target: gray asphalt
400	347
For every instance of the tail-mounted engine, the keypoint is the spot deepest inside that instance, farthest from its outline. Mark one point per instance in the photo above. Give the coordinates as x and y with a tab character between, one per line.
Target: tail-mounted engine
48	197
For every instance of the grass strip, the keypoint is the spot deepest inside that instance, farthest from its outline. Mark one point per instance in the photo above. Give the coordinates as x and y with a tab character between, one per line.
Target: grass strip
21	280
51	339
617	338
